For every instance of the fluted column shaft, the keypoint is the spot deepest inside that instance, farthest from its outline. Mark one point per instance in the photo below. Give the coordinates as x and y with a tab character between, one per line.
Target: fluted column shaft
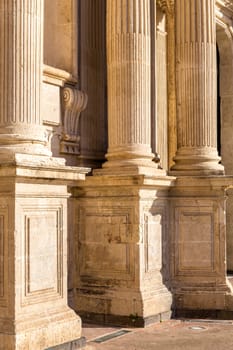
196	87
129	76
93	123
21	54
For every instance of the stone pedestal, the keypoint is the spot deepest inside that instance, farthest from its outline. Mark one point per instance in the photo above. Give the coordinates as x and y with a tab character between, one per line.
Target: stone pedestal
121	258
198	246
33	254
197	209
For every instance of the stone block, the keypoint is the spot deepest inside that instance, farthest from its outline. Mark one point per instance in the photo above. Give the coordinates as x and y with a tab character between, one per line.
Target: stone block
121	256
33	253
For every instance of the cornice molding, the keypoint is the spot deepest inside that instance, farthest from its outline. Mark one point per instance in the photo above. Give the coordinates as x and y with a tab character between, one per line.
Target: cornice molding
56	76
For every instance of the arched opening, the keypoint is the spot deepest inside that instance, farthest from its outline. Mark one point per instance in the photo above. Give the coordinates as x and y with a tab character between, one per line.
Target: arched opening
225	124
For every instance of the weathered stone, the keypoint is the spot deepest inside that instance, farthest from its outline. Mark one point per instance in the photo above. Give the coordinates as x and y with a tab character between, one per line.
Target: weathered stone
142	244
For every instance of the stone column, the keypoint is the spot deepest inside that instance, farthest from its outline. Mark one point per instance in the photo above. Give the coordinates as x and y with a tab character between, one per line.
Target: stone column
196	88
33	204
21	34
93	122
129	84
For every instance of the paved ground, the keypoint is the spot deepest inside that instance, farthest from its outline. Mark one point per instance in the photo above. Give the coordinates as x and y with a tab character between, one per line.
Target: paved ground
168	335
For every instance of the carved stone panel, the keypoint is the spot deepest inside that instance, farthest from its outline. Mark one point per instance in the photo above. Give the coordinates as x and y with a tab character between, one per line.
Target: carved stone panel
195	247
43	249
104	243
153	242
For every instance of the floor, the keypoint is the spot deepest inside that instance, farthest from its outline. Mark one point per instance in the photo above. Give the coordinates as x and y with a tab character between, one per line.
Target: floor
168	335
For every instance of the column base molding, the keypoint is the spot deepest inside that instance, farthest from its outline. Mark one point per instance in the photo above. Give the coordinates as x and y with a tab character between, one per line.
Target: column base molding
131	159
203	304
125	321
197	162
24	138
130	308
42	332
212	314
146	169
38	166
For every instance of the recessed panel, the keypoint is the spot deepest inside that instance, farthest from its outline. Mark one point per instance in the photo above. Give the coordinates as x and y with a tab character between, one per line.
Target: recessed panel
43	251
153	242
42	241
104	238
194	240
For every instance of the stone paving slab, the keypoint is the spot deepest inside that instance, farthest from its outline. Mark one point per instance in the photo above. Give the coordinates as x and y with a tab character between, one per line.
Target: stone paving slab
169	335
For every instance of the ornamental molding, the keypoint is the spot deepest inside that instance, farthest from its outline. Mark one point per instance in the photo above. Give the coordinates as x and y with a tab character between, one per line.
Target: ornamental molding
227	5
224	14
73	102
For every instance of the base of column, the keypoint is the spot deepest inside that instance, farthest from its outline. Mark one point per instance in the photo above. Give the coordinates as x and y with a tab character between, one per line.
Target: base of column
33	247
76	344
125	321
122	252
133	160
24	138
92	161
202	303
148	170
212	314
197	162
198	245
128	308
40	333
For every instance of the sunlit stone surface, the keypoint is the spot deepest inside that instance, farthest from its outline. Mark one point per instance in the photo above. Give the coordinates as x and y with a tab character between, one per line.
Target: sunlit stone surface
141	93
